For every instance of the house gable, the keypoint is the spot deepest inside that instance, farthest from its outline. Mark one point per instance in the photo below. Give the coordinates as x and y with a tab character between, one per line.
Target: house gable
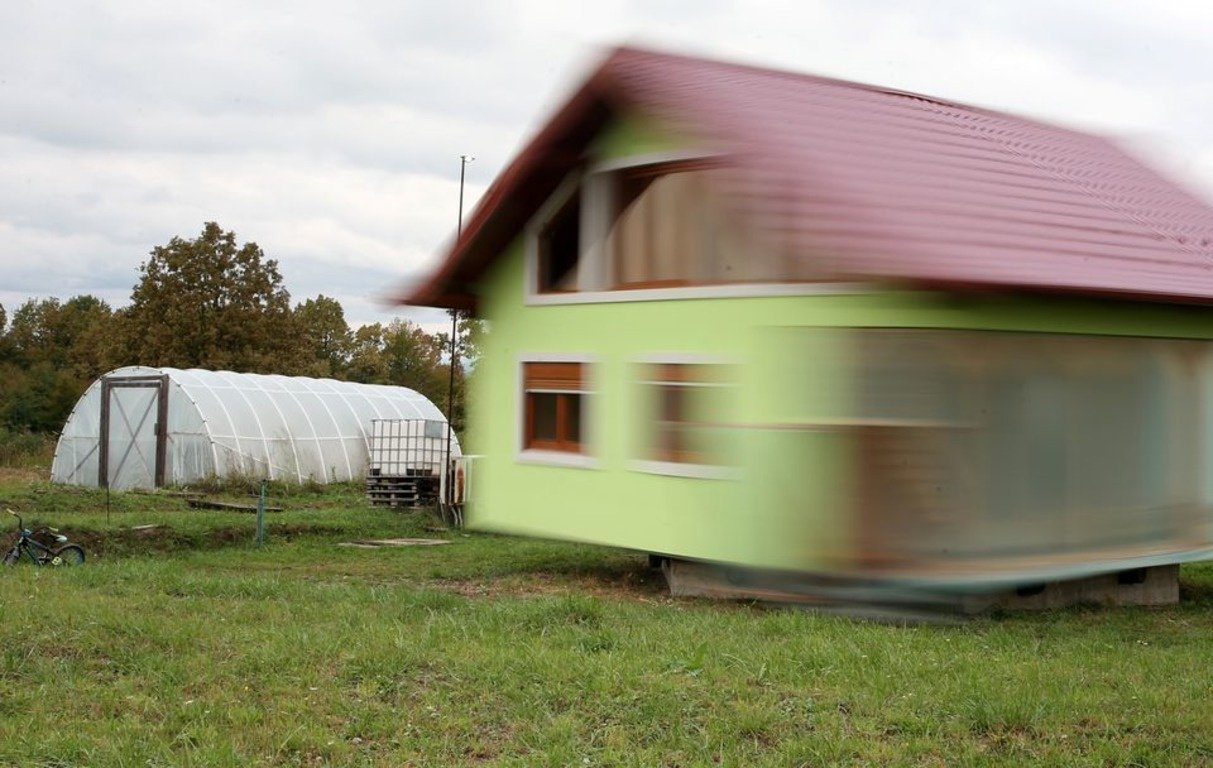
646	216
867	183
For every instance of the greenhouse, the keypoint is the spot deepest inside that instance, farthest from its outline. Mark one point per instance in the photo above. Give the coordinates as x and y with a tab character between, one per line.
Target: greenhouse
141	427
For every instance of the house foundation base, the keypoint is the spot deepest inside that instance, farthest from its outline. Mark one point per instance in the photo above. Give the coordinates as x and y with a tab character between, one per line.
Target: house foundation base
1156	585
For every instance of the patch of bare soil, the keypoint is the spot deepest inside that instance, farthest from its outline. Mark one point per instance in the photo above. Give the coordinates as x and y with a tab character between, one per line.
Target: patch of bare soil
641	584
164	538
23	474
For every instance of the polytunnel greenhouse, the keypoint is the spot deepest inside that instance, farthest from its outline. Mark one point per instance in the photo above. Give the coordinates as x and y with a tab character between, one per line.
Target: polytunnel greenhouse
143	427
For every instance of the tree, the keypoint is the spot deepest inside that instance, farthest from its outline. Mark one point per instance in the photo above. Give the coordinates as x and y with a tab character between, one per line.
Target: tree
52	351
209	303
33	334
367	364
405	354
324	337
414	359
472	332
36	398
76	337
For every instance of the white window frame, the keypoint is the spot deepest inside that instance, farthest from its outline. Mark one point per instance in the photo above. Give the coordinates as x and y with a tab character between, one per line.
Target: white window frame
695	470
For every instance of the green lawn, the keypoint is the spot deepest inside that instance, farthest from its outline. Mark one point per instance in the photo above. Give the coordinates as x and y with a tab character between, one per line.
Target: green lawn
188	646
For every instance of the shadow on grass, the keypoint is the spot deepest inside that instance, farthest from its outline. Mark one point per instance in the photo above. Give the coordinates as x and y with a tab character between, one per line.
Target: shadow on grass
1196	585
593	571
162	539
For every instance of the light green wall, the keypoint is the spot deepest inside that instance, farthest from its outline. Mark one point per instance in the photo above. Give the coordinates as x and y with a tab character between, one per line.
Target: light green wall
784	511
786	507
614	503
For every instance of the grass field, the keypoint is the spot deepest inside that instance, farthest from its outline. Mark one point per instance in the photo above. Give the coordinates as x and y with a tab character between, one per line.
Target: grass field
185	645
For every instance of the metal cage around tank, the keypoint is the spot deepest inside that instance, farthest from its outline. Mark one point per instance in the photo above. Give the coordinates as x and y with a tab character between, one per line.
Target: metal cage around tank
406	461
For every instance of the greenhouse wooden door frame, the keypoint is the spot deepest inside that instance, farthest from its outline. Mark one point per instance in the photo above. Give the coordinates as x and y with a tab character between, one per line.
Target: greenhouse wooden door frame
160	384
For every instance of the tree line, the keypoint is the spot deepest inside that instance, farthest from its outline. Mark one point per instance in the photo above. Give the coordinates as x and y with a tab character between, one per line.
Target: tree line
209	302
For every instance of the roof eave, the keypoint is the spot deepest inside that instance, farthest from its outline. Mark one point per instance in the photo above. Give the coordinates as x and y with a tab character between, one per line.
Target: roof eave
516	192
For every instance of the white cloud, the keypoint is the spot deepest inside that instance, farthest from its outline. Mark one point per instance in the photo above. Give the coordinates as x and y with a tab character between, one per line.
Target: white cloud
331	134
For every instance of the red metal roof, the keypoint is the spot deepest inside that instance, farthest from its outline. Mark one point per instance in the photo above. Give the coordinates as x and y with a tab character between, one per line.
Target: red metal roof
872	183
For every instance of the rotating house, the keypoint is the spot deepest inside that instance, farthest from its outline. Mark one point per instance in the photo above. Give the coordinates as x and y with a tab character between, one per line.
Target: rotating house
784	324
141	427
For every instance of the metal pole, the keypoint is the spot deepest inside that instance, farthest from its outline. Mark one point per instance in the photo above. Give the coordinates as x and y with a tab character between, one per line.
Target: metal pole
261	517
103	445
450	390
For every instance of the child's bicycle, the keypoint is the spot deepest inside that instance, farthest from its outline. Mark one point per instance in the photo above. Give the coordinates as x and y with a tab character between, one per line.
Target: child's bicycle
39	553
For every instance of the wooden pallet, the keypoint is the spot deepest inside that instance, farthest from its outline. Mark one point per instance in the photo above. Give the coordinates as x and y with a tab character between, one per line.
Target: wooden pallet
400	491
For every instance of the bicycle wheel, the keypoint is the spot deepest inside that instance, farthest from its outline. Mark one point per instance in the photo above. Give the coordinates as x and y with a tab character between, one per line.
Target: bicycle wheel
12	556
68	554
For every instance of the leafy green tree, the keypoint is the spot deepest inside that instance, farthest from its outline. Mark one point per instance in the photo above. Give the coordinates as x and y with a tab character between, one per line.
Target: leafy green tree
53	350
211	303
404	354
472	332
415	360
36	398
6	348
367	363
34	330
324	337
75	337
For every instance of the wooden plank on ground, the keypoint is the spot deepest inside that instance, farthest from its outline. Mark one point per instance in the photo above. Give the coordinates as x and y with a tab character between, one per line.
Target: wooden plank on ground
227	506
407	542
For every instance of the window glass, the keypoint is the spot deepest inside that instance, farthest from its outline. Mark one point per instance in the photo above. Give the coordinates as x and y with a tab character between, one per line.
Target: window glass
686	413
652	226
560	249
573	406
543	415
664	228
553	402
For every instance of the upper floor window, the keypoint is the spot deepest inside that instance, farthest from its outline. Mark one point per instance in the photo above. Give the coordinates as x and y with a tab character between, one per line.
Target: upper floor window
665	228
658	225
559	247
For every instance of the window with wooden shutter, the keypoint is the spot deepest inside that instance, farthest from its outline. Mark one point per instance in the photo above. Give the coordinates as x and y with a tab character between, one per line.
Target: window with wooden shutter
686	407
554	400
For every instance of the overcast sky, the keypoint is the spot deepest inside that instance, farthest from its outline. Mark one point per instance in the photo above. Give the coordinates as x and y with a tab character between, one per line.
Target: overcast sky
331	137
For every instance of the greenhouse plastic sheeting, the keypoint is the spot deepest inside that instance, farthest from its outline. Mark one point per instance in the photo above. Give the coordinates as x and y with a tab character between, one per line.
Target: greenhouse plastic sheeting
219	423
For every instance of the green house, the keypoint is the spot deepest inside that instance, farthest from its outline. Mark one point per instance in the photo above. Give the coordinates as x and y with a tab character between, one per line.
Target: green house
812	332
